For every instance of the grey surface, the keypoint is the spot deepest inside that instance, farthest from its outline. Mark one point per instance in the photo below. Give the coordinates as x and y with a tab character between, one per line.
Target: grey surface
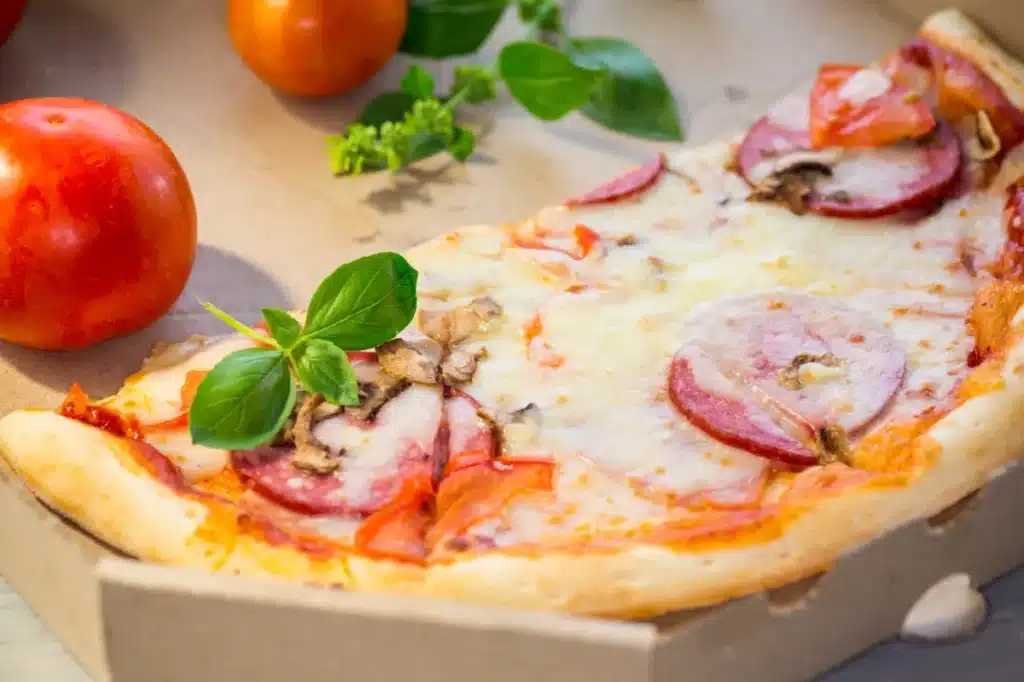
996	654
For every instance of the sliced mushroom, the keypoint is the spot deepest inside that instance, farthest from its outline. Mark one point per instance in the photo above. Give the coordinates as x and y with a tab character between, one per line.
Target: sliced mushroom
374	392
415	361
834	445
790	376
459	324
790	179
459	367
310	454
984	143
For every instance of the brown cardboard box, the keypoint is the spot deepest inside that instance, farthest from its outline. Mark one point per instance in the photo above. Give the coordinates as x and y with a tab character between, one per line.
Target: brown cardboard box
273	222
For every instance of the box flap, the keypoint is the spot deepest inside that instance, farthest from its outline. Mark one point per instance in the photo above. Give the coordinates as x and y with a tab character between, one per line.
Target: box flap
152	614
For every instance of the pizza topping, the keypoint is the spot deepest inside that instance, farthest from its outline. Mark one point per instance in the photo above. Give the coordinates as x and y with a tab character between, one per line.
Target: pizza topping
850	183
537	349
803	370
628	185
984	144
76	406
863	107
520	429
460	366
415	361
759	374
791	178
376	388
311	455
961	89
480	492
472	436
398	531
452	327
246	398
377	459
577	243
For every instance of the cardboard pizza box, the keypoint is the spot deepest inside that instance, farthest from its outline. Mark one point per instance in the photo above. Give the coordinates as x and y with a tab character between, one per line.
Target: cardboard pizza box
273	223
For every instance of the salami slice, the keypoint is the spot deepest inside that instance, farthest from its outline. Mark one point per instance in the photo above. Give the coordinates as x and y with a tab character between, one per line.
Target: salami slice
627	185
785	376
776	157
375	459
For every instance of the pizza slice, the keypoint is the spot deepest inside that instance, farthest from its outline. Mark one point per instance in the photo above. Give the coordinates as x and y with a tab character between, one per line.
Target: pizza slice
715	374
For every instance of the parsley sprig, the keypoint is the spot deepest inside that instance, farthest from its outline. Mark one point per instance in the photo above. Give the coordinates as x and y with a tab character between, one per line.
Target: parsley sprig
245	400
550	74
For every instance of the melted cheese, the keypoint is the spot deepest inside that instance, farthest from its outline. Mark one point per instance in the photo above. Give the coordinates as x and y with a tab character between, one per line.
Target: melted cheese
864	85
403	433
605	408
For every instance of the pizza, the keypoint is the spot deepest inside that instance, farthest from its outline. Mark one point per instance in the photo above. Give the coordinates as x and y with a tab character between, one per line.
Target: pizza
716	374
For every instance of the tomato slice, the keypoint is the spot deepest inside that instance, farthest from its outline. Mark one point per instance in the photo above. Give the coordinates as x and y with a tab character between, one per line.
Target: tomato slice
399	529
475	493
853	106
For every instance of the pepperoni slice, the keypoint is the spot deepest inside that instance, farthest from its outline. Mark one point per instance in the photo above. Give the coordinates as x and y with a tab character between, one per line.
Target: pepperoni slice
860	182
627	185
784	375
376	461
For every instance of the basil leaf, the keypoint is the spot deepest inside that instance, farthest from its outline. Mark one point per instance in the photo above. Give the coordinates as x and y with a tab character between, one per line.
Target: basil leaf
283	327
632	97
390	106
545	80
364	303
417	82
244	401
324	368
450	28
463	143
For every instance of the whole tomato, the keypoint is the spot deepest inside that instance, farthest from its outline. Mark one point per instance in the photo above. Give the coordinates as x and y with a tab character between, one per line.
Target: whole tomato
97	224
316	47
10	16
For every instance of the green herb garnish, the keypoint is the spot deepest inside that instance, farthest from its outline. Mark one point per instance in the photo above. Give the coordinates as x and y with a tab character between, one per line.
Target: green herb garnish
550	74
245	400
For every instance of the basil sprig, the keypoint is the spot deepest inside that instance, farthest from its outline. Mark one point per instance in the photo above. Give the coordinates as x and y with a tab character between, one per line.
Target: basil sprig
245	400
550	74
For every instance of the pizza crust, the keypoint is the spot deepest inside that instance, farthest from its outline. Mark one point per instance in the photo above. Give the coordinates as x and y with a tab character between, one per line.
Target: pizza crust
953	30
81	472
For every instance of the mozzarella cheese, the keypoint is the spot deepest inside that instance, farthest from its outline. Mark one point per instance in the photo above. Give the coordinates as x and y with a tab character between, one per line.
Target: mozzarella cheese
693	240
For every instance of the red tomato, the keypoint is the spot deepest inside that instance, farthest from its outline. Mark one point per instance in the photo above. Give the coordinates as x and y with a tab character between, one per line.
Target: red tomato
97	222
872	111
10	16
316	47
